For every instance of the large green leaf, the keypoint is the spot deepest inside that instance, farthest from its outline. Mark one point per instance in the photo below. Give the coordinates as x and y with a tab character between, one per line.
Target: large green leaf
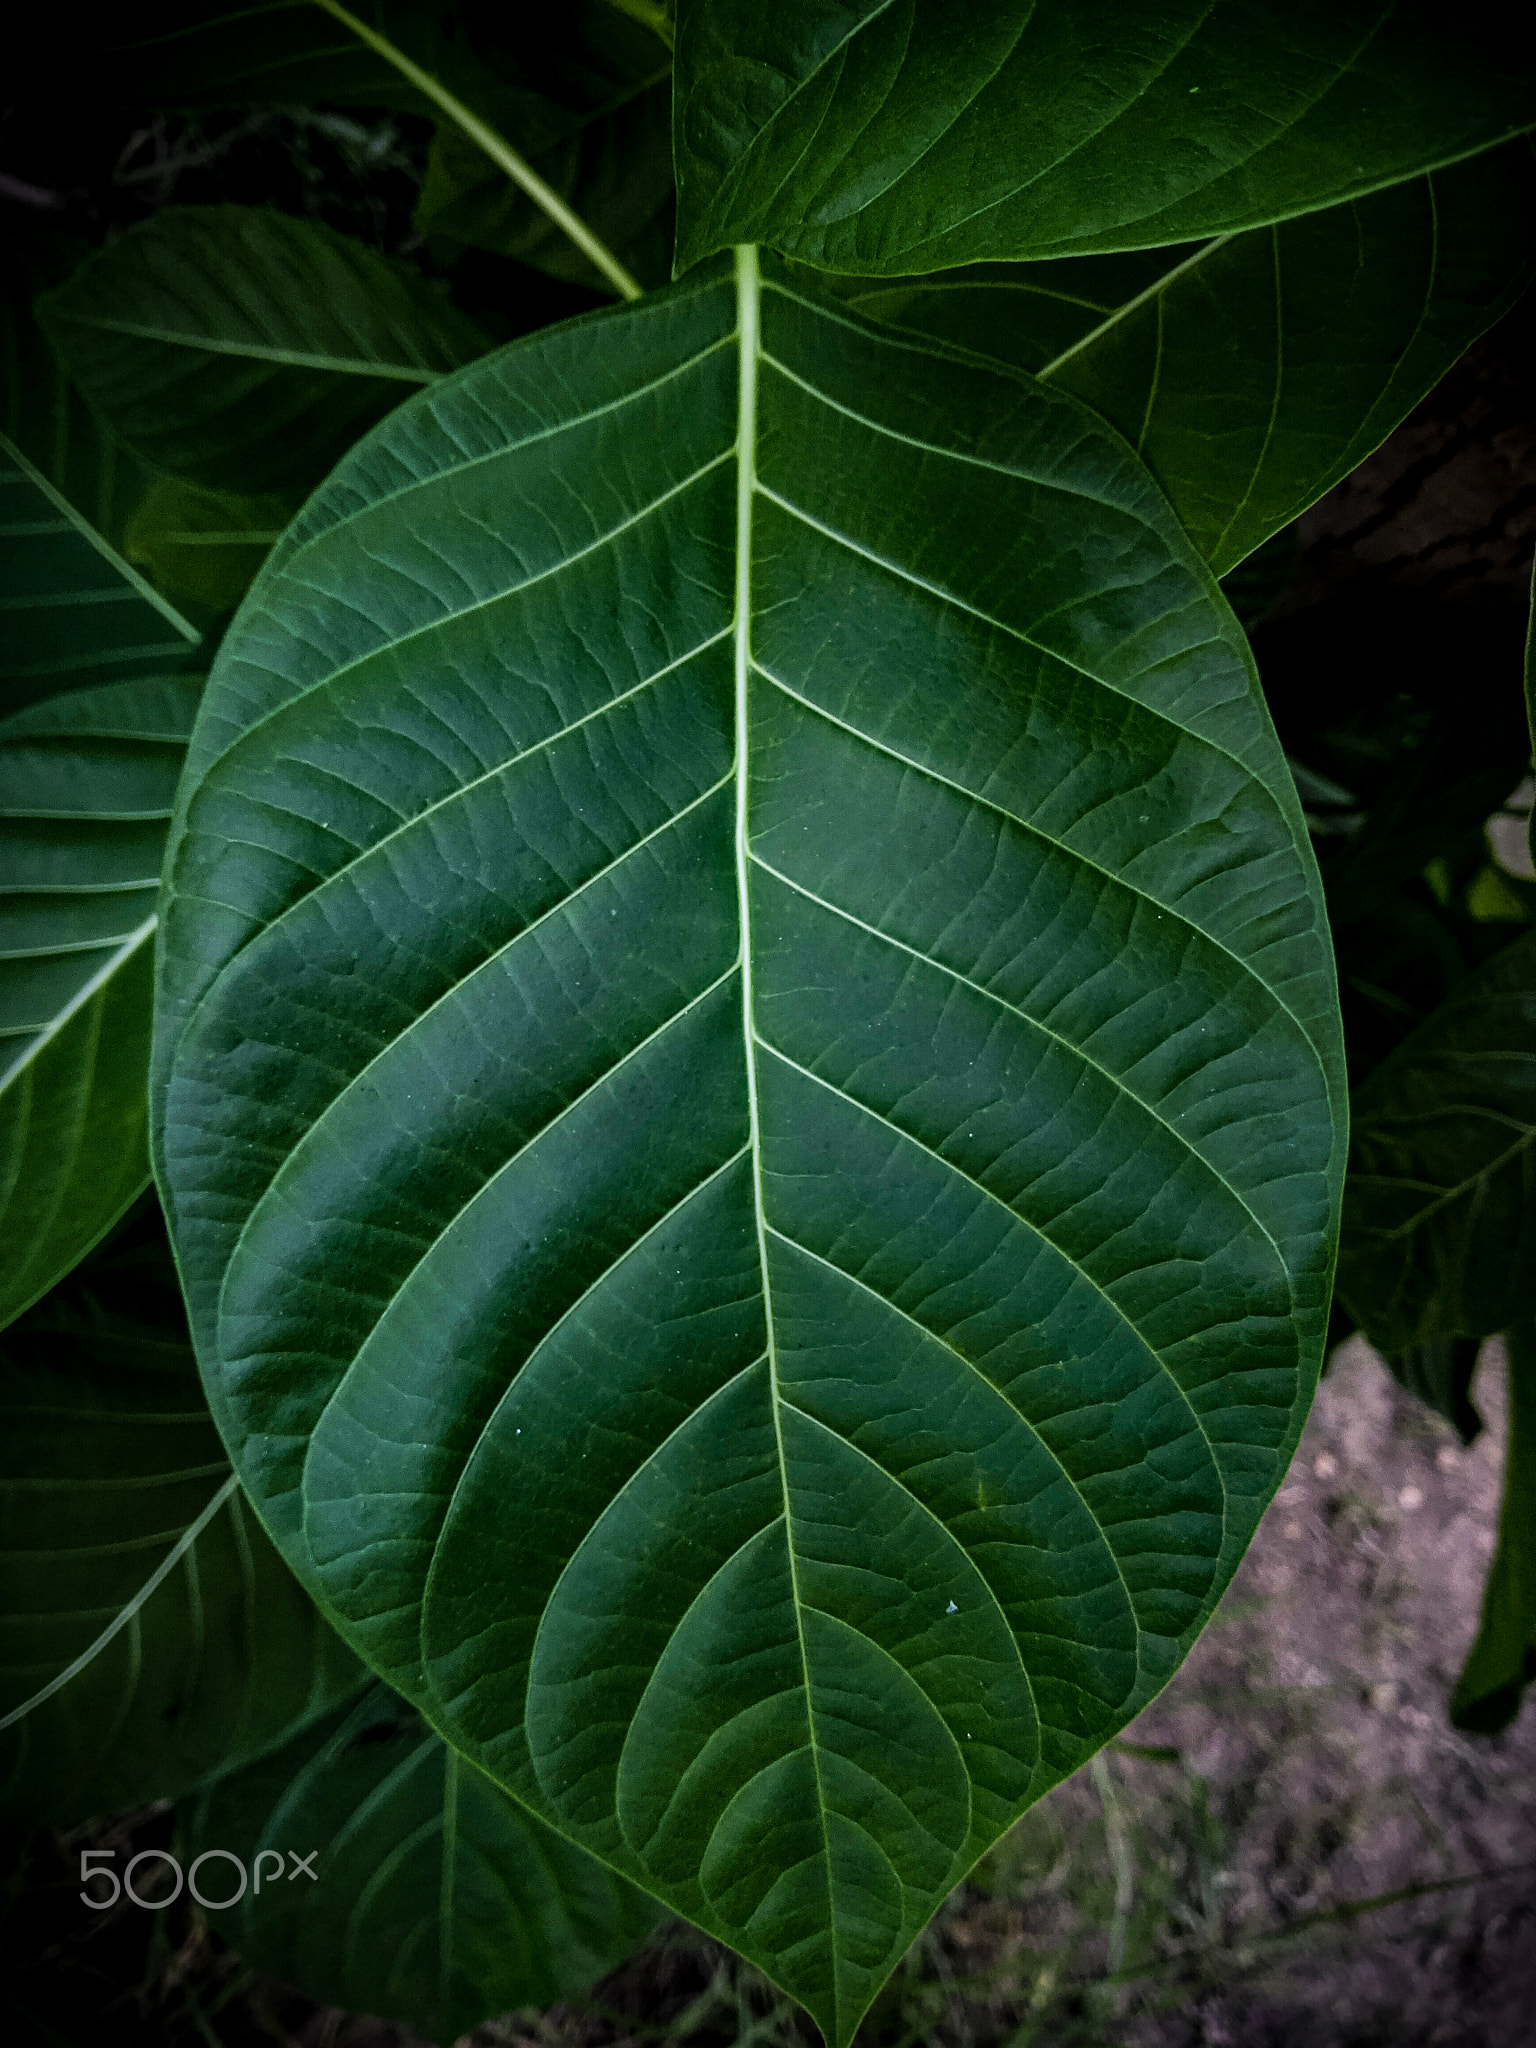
1440	1214
435	1899
751	1097
1502	1662
1254	371
891	136
86	785
245	351
146	1615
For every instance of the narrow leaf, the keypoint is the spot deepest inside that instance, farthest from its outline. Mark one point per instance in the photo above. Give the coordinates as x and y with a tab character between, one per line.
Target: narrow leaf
884	139
150	1632
1502	1662
1440	1373
245	351
1439	1227
433	1899
755	1165
1225	365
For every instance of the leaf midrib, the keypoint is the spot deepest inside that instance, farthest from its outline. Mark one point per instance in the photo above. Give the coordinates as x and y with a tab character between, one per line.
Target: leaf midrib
258	351
749	357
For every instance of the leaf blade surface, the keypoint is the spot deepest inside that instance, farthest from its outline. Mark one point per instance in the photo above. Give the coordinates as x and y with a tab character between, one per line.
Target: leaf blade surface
885	1272
143	1602
1221	364
244	350
442	1902
87	772
881	139
1436	1239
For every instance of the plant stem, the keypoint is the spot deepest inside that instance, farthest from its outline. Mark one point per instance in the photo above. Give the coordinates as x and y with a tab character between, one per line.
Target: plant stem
501	153
1121	1859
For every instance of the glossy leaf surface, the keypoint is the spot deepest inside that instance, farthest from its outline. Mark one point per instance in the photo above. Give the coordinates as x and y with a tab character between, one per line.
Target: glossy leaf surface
110	1471
1439	1216
883	138
436	1900
245	351
1251	373
753	1135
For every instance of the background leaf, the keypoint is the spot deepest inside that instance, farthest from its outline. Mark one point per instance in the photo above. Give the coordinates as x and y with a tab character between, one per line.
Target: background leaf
614	171
594	120
583	93
200	55
1222	364
777	1454
1438	1213
875	139
107	1457
440	1902
202	547
86	786
76	612
245	351
48	423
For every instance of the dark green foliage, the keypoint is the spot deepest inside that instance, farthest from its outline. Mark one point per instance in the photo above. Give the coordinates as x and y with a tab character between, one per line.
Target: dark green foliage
437	1900
1439	1217
124	1534
748	1079
880	139
86	783
243	351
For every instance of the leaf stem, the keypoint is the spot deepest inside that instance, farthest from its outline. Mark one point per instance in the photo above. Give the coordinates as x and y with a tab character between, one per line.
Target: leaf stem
649	13
501	153
130	1609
